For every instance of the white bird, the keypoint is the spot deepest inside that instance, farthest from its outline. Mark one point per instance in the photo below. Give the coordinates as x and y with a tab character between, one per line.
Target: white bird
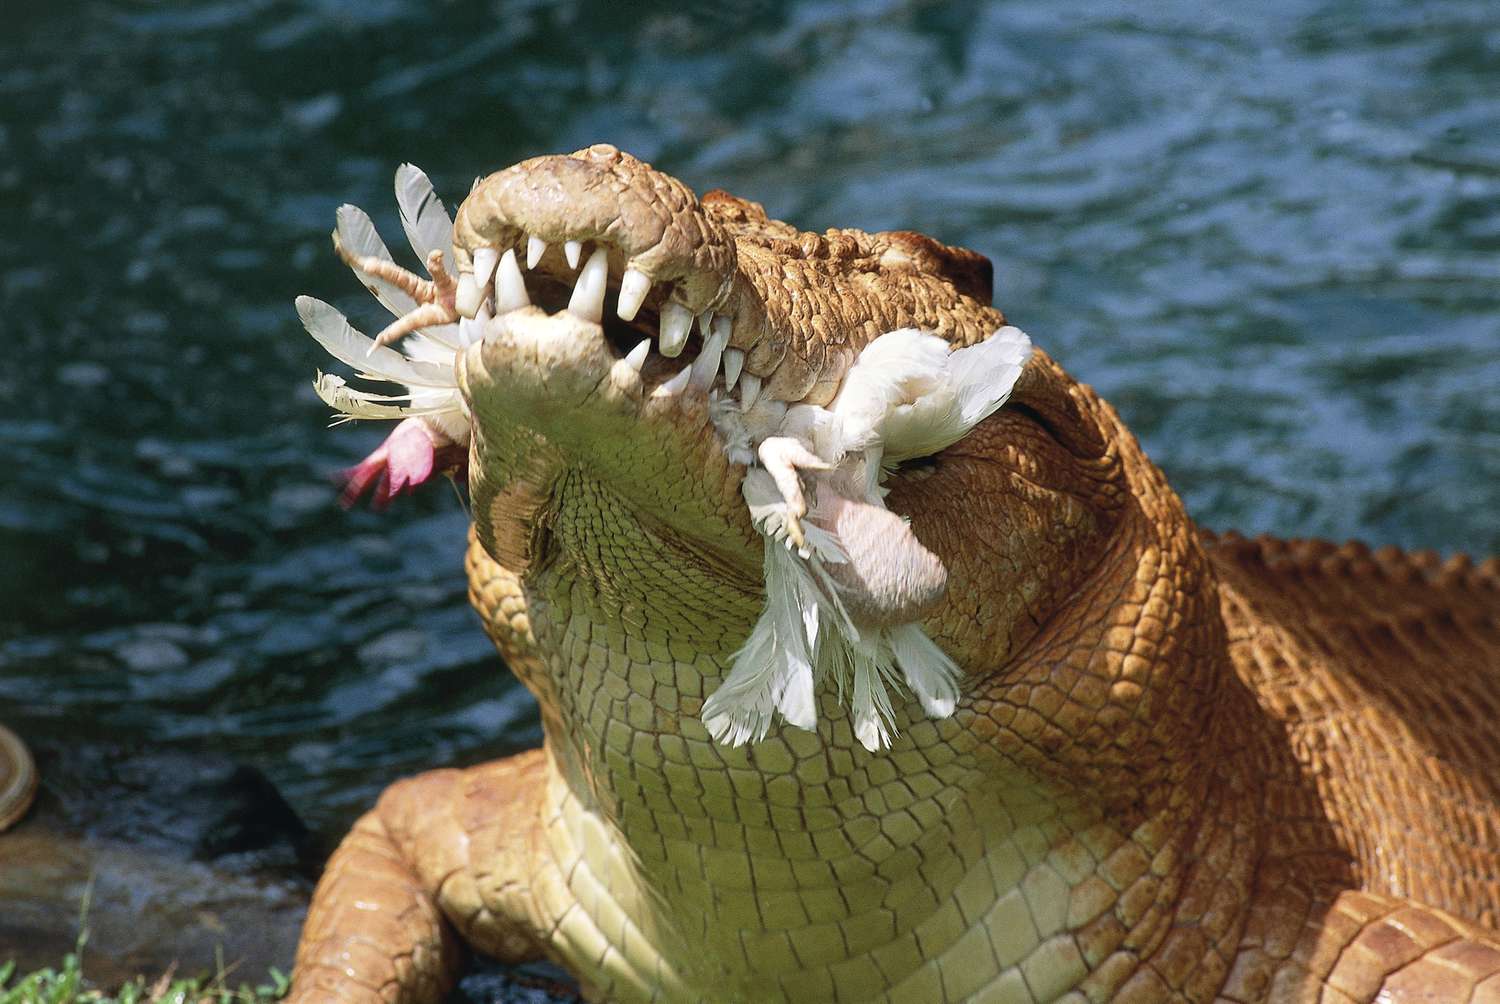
845	589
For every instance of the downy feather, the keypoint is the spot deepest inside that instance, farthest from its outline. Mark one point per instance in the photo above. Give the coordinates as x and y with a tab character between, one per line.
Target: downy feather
977	381
898	367
802	622
907	395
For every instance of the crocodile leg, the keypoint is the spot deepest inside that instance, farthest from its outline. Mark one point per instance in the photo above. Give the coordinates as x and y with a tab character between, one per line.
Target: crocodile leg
385	919
373	933
1327	946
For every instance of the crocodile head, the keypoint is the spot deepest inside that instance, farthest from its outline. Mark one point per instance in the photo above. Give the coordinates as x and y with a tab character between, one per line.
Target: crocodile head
609	391
726	311
601	468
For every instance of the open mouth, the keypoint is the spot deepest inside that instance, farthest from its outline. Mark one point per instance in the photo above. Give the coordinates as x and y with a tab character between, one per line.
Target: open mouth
670	347
572	291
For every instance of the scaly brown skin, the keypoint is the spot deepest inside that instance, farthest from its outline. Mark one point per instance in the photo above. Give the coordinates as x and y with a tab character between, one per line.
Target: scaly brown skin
1183	768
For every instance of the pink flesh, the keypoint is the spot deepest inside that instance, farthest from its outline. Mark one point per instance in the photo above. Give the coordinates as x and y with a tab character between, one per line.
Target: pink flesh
401	463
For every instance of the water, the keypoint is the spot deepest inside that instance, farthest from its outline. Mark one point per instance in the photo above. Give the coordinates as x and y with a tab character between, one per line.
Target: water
1269	234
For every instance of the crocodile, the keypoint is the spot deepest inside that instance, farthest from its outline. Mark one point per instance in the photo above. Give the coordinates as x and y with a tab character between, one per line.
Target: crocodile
1183	766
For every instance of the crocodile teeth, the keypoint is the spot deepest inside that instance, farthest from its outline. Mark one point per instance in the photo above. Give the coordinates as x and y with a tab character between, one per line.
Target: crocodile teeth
588	294
572	249
734	361
749	391
485	260
466	299
535	248
636	357
676	322
470	330
706	366
676	385
470	292
510	288
633	289
705	320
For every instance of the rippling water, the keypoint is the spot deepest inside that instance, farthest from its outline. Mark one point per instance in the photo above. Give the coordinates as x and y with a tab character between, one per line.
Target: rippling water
1270	237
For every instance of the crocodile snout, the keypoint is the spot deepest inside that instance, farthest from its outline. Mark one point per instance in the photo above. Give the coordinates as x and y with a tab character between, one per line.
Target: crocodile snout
664	248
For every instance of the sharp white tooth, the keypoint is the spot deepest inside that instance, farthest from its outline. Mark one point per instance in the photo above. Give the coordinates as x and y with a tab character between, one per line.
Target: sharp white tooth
470	331
706	366
676	322
636	357
484	265
466	300
572	249
633	290
734	361
588	294
510	288
676	385
535	248
705	319
749	391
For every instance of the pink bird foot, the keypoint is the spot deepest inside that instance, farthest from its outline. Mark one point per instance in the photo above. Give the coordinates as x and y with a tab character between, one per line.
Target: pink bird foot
405	460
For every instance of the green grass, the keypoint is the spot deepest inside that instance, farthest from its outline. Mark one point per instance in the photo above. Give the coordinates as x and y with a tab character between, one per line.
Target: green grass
66	984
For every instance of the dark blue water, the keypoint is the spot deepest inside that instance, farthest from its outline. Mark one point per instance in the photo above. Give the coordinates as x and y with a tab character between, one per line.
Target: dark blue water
1270	234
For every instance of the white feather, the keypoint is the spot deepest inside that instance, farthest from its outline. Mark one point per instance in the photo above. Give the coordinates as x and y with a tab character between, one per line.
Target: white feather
445	335
773	670
897	368
909	395
333	331
353	403
427	224
358	235
987	372
978	380
740	710
424	365
801	627
424	348
932	676
870	708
